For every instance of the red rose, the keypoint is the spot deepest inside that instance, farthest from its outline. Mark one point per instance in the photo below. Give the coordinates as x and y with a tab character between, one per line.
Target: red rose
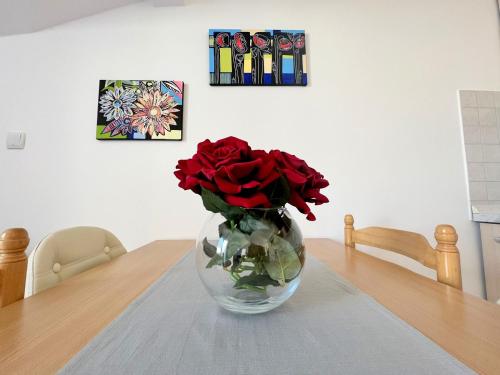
244	184
230	169
223	152
304	182
200	170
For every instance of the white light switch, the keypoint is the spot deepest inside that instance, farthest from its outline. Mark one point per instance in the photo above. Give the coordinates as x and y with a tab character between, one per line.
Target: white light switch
16	140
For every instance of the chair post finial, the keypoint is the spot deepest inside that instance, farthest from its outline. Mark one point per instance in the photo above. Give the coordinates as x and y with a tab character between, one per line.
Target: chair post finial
13	265
348	229
448	256
446	237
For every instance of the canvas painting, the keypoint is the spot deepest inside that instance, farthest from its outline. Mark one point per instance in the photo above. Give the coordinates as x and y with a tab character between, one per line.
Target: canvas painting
257	57
140	110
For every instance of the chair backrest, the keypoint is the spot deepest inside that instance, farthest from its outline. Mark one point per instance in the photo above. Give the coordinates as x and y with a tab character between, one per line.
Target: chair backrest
444	258
71	251
13	263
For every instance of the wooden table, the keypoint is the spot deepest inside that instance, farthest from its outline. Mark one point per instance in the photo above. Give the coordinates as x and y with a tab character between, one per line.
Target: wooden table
40	334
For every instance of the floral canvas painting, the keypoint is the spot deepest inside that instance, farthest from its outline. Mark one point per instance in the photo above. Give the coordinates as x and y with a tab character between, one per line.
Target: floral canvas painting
140	110
257	57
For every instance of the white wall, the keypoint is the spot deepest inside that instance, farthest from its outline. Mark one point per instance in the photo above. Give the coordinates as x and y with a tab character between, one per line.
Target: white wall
23	16
379	117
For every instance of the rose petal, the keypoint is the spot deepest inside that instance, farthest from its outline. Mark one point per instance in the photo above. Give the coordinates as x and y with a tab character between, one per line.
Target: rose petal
314	196
297	201
293	160
240	170
208	173
226	186
310	216
191	182
209	186
259	154
180	175
206	144
256	200
239	143
206	159
320	184
189	166
294	177
271	178
251	185
228	160
267	167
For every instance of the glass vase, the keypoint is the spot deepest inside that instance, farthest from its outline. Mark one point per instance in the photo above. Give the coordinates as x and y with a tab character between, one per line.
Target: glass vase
251	263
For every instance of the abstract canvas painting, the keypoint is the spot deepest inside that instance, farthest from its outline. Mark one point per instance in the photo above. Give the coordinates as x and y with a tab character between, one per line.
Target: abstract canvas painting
257	57
140	110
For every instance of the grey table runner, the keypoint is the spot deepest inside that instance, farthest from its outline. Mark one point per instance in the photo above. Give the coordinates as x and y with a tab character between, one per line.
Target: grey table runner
327	327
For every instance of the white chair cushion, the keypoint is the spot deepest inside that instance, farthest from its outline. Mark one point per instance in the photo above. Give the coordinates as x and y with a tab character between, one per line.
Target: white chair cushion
71	251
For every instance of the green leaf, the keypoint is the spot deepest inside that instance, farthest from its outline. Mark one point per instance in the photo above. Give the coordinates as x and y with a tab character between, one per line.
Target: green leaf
236	241
293	236
255	251
215	261
214	203
262	237
224	229
233	212
255	280
209	249
249	224
118	84
282	264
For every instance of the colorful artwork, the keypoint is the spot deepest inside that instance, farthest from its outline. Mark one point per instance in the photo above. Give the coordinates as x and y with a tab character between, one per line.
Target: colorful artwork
257	57
140	110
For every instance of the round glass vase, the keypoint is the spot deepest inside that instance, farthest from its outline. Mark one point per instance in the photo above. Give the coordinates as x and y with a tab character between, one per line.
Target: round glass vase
250	262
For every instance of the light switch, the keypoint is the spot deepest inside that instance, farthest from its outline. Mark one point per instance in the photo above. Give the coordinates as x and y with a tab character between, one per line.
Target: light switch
16	140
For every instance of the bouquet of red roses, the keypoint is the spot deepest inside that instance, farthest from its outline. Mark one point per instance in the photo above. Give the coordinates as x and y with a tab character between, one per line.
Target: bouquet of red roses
229	173
258	243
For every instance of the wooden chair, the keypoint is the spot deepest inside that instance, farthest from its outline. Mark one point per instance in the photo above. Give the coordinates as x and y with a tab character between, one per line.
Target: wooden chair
445	258
13	264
